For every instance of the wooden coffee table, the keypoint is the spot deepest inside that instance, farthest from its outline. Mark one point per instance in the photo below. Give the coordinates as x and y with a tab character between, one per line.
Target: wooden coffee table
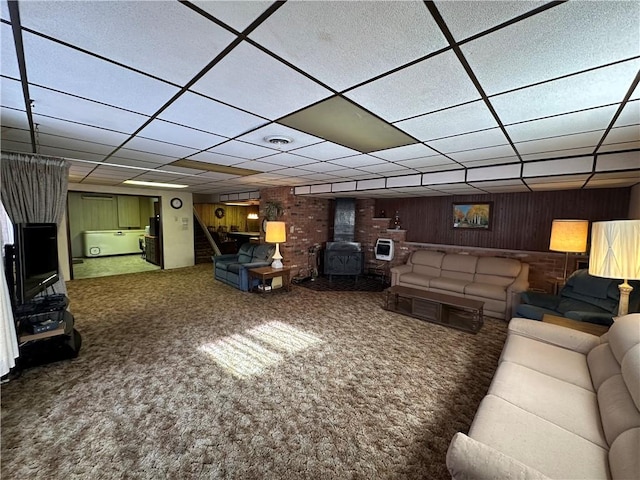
456	312
266	273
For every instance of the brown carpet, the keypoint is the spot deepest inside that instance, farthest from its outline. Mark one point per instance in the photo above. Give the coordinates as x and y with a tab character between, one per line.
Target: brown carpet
180	376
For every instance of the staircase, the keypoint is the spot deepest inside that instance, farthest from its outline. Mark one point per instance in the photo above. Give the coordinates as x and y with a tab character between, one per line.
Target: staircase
202	248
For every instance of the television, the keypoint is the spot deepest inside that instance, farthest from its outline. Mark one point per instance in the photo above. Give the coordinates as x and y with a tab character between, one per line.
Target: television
36	259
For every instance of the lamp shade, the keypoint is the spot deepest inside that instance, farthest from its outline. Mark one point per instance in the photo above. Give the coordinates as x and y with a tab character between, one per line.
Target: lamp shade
615	249
569	236
275	232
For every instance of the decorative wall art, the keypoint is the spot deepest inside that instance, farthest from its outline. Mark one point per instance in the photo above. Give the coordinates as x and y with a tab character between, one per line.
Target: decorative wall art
476	216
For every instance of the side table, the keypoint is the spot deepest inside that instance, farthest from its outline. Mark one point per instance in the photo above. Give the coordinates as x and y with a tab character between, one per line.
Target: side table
266	273
587	327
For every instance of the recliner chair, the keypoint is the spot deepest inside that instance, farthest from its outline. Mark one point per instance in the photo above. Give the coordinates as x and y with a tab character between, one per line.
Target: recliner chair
233	269
584	297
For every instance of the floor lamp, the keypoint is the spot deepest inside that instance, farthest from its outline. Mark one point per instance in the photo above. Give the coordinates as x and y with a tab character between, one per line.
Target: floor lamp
615	253
276	233
568	236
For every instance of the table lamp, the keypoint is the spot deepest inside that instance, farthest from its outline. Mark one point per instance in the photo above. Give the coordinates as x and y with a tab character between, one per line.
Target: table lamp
276	233
568	236
615	253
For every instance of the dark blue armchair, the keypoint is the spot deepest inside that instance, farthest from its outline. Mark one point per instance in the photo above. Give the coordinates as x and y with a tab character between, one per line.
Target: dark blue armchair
584	298
232	269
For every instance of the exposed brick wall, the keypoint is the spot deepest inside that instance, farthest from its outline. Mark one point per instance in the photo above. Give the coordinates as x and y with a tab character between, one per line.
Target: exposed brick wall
312	223
310	219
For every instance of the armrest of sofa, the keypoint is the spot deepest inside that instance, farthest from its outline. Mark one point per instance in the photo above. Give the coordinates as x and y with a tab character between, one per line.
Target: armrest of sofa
516	289
469	459
399	270
554	334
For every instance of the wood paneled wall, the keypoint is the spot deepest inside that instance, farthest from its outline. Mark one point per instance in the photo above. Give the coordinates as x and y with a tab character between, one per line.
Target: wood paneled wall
520	221
233	216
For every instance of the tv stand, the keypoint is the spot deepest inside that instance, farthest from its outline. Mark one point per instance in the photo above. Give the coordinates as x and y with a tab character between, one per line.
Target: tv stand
60	343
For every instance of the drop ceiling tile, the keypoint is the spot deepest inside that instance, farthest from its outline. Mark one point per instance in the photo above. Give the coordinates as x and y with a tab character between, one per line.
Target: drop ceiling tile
494	173
70	130
183	170
614	179
452	121
96	180
499	154
67	153
567	38
415	191
156	158
630	114
558	144
417	89
571	152
14	134
252	80
570	123
208	115
114	159
620	135
441	178
8	60
298	139
14	118
372	183
457	189
428	164
348	42
565	166
490	162
468	18
172	42
67	107
500	185
11	94
319	177
243	150
468	141
358	161
218	176
404	181
618	147
45	140
587	90
291	172
239	17
92	78
618	161
322	167
216	158
407	152
187	137
325	151
287	160
558	184
153	176
259	165
161	148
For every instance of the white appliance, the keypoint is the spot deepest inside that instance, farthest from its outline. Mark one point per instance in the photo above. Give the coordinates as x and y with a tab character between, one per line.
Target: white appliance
99	243
384	249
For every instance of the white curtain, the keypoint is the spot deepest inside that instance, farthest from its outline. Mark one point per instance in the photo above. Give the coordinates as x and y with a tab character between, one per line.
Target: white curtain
8	338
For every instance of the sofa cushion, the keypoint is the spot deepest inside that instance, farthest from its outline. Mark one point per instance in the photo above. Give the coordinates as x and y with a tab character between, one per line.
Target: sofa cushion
586	284
459	267
631	373
533	312
263	252
564	404
538	443
234	267
448	284
486	290
245	253
426	262
624	334
624	460
602	364
417	279
617	410
549	359
497	271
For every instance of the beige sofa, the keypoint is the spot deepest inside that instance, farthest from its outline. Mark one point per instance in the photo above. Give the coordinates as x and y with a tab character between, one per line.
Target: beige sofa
497	282
562	404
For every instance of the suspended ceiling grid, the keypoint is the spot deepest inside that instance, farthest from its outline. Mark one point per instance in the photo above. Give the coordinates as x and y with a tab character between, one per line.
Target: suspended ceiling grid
379	98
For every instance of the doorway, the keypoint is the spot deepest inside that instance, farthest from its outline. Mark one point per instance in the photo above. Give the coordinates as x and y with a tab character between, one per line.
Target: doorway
113	234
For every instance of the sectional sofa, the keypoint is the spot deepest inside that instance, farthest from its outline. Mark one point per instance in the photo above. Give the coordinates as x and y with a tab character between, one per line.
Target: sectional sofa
497	282
562	404
234	269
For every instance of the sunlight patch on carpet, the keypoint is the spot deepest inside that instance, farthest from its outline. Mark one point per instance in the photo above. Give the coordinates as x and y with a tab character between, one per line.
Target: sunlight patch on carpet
245	357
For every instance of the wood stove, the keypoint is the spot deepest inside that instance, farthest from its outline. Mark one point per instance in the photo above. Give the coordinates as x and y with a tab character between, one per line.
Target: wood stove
343	256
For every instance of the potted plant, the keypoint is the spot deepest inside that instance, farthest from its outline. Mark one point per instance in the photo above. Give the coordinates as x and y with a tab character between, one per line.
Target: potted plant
272	210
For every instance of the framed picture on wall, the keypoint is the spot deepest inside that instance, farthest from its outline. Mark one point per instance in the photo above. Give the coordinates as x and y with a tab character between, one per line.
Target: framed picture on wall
472	216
